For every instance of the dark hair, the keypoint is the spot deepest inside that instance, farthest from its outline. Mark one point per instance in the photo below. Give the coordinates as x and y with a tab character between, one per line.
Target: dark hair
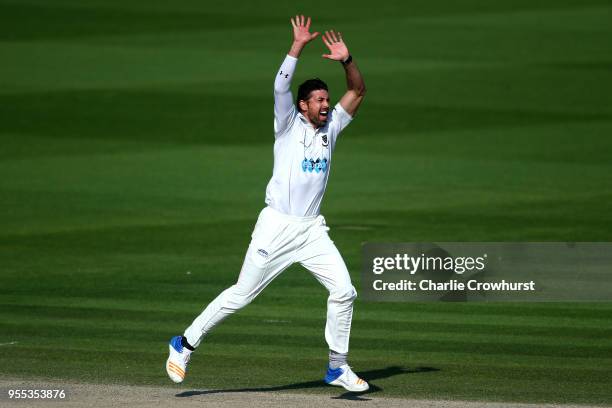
307	87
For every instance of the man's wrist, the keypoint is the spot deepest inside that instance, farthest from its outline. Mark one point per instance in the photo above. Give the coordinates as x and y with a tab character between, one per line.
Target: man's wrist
296	48
347	60
298	45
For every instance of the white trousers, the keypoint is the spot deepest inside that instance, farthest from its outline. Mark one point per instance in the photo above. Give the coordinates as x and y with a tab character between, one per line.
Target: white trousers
278	241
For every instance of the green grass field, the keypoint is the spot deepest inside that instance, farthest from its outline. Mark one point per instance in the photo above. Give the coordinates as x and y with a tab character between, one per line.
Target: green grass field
136	144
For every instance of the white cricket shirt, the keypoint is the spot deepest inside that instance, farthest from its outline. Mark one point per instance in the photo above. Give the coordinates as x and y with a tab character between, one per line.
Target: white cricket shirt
302	161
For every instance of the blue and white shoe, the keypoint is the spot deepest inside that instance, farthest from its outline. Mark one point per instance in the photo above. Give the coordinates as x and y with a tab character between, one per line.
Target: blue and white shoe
176	365
345	377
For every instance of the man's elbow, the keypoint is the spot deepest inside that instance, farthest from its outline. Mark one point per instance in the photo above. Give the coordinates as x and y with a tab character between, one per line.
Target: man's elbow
362	90
280	89
359	91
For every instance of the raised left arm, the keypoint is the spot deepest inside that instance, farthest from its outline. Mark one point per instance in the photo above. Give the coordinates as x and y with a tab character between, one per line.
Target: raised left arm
355	85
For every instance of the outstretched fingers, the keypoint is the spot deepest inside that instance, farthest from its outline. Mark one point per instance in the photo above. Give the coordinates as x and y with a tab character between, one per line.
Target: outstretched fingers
333	40
333	37
300	21
301	28
326	39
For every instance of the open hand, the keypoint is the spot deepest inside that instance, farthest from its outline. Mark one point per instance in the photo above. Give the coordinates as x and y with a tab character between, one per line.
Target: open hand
336	46
301	30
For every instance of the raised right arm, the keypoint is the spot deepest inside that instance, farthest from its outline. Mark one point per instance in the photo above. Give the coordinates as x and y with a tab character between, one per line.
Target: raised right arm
283	99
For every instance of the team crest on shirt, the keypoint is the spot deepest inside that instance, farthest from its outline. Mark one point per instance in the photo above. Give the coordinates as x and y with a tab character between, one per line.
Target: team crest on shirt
325	142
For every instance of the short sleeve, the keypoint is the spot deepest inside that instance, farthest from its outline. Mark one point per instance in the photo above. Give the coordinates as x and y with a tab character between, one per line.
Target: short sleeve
338	121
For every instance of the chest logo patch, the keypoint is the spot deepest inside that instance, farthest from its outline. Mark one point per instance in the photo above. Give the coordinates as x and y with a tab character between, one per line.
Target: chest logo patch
317	166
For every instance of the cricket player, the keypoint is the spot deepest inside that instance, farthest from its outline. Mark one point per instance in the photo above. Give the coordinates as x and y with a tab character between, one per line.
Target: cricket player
290	228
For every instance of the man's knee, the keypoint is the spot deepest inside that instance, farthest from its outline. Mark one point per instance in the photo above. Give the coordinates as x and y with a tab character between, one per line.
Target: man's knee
345	294
234	298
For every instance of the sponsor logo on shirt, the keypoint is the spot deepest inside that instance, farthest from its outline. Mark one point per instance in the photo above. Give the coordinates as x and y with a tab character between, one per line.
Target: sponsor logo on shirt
316	166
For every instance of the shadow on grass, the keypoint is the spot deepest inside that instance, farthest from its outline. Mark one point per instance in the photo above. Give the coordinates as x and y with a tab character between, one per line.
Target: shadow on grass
370	376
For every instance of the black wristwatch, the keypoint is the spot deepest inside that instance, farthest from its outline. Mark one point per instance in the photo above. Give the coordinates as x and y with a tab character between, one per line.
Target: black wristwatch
348	60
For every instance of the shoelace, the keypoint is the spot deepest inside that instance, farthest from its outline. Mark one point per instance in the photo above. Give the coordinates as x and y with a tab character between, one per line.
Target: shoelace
351	374
186	357
354	378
